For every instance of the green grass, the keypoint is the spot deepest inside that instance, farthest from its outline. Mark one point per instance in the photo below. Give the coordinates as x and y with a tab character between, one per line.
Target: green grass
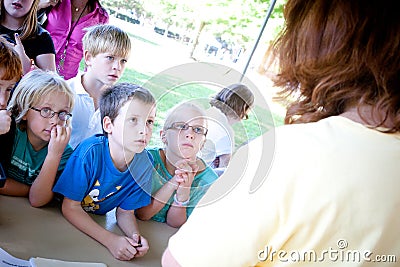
169	91
168	95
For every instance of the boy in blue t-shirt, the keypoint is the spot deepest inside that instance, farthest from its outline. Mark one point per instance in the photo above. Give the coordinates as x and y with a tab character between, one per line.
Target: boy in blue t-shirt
112	170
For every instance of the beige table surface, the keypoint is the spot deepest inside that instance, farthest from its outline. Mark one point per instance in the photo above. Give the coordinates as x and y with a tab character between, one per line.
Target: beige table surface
27	232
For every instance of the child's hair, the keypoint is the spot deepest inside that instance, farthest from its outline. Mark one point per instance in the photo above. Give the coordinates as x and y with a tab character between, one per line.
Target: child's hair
35	86
10	62
29	26
171	115
234	100
106	38
116	96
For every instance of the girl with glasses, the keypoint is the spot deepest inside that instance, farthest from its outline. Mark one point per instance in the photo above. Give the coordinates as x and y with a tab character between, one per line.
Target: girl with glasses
180	178
41	106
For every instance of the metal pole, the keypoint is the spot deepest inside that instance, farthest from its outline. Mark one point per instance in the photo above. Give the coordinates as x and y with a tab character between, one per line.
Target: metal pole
271	8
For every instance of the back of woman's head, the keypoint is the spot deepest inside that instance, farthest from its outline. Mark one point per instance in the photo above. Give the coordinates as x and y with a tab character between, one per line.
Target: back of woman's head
339	54
234	100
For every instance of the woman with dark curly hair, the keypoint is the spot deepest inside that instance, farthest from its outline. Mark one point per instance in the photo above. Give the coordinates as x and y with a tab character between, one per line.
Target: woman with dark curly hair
330	195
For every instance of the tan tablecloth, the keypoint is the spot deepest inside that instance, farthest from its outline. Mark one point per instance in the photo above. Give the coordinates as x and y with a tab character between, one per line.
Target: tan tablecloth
27	232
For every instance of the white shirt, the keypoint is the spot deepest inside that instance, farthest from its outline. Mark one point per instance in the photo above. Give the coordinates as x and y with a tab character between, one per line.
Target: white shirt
331	185
220	136
85	121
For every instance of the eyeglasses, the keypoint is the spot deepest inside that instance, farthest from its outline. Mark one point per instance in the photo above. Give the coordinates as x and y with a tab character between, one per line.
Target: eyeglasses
182	126
48	113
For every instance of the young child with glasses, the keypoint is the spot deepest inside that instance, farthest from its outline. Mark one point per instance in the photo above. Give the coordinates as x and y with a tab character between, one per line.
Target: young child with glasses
41	106
113	170
180	178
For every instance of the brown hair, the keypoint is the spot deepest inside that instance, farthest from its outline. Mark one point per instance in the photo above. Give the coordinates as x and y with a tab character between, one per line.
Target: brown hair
338	54
234	100
9	61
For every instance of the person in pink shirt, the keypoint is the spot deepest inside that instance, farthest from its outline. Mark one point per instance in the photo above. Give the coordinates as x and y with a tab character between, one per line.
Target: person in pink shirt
66	21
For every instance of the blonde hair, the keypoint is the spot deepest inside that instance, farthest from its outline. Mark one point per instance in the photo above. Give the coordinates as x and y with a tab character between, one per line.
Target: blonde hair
179	108
106	38
30	24
33	87
9	61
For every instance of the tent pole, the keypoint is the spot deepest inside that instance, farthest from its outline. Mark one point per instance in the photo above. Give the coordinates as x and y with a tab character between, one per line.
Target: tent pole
271	8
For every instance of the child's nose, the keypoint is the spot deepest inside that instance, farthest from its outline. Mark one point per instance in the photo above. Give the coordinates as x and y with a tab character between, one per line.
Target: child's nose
3	101
189	133
116	65
55	119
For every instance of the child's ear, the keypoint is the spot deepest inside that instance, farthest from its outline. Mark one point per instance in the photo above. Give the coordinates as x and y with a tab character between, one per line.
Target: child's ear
163	137
88	58
203	143
107	125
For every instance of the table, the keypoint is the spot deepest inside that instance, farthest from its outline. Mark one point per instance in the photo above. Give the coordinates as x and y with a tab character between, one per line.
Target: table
27	232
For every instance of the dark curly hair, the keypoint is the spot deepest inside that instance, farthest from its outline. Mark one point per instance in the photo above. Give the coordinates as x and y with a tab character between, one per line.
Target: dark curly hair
339	54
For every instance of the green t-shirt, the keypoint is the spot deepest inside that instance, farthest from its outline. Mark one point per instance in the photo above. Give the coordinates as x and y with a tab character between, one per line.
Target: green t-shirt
26	162
160	176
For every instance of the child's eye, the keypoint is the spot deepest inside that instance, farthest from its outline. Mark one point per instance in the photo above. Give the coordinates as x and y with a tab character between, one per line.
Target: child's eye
150	122
133	120
123	61
110	57
46	111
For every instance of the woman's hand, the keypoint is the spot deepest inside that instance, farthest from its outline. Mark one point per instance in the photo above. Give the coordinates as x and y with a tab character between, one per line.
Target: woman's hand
47	3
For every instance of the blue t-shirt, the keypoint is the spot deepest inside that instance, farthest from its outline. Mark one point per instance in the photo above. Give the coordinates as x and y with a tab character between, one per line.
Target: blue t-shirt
200	185
91	178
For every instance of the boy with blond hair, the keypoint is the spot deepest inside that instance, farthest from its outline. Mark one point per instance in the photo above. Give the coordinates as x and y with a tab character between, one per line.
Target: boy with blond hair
106	52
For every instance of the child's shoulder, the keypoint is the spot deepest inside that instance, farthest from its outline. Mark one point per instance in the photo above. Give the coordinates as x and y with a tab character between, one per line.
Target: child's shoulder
145	156
96	142
154	154
152	150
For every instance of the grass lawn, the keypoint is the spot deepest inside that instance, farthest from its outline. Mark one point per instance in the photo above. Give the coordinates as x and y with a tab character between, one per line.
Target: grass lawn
260	119
169	91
